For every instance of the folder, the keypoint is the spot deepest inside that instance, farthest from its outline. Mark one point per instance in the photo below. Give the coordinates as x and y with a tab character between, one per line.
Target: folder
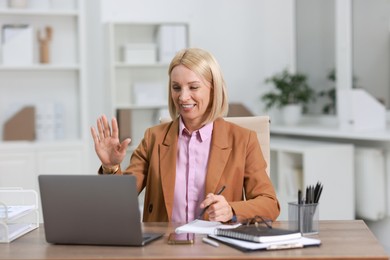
21	126
124	123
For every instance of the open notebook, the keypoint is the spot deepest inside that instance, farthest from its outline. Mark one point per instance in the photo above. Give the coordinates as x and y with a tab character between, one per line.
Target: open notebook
92	209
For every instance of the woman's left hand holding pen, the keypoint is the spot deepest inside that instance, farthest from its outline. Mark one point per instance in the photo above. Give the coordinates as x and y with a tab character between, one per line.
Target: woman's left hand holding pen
218	209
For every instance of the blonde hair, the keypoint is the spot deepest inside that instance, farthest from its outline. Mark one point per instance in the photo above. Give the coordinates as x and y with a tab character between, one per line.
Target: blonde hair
204	65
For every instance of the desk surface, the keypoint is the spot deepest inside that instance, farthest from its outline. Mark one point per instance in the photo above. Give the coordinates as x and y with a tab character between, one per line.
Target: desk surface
340	240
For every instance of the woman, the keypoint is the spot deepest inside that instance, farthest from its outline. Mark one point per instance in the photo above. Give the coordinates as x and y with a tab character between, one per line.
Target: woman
196	154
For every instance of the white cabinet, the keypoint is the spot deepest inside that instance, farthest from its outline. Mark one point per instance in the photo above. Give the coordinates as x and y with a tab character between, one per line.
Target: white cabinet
17	168
137	80
296	164
370	183
59	83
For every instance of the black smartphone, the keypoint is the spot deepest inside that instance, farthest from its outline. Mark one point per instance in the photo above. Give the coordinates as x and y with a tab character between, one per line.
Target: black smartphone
181	239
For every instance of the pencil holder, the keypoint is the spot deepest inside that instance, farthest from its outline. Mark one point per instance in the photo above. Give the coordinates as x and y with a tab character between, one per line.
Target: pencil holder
303	217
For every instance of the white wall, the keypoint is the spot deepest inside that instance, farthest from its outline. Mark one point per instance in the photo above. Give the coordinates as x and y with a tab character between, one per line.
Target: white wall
315	27
252	39
371	47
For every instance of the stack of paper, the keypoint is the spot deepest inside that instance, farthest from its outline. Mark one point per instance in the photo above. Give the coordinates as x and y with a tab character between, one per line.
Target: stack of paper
282	239
283	244
203	227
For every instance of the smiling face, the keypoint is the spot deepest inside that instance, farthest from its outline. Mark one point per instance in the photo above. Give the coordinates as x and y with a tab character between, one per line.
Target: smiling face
191	95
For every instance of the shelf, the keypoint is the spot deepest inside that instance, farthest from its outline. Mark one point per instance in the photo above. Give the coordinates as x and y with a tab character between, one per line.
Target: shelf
40	67
331	131
144	66
37	12
296	145
141	107
41	144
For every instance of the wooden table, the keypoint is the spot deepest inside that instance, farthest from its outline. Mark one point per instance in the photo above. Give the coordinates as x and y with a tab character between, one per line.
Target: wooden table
340	240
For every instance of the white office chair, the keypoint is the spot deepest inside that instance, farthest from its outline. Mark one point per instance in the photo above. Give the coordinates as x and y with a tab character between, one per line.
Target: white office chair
259	124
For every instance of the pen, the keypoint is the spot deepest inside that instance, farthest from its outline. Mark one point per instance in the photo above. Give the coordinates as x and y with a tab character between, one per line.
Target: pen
204	210
284	246
299	197
318	194
210	242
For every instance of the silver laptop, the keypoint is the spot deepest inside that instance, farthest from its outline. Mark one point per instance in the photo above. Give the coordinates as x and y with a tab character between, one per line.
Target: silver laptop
92	210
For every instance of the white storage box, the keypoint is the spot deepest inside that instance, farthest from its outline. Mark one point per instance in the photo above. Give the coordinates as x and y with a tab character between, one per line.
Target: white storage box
170	39
149	93
17	46
144	53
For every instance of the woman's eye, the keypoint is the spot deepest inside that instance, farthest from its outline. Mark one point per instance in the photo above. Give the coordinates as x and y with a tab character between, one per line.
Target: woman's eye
194	87
176	88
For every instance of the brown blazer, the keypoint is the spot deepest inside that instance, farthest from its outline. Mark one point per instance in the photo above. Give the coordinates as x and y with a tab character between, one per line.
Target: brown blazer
235	160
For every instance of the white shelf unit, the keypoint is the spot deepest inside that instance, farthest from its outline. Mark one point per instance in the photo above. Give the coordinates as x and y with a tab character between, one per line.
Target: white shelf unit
124	74
61	81
296	164
18	213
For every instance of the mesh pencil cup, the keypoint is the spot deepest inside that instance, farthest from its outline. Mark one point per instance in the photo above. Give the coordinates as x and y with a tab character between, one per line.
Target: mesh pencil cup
303	217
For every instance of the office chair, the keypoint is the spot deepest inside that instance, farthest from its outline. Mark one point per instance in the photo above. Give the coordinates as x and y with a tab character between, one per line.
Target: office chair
259	124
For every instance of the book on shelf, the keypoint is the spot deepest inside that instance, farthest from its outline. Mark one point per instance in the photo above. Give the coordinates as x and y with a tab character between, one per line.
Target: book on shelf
258	234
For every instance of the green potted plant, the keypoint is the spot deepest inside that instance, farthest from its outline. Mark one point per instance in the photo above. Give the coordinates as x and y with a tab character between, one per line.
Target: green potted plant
292	95
329	107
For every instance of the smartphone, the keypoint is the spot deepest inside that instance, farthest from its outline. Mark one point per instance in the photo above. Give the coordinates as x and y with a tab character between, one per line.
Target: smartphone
181	239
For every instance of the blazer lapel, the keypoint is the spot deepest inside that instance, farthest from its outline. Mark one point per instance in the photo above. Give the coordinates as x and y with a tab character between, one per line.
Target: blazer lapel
219	155
168	165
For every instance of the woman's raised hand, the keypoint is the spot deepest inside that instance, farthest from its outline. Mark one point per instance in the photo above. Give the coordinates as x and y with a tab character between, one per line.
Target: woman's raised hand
107	145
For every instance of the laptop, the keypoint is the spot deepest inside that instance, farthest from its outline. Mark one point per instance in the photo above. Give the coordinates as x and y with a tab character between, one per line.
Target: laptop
92	210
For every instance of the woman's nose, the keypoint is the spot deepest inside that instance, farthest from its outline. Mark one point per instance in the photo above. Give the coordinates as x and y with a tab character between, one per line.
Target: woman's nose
184	96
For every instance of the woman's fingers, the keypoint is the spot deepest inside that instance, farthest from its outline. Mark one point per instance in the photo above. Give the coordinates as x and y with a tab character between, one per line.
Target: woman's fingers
114	124
106	127
99	125
94	135
219	209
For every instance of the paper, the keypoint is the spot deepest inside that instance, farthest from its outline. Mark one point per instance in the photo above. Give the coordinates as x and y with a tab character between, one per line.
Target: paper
285	244
203	227
13	211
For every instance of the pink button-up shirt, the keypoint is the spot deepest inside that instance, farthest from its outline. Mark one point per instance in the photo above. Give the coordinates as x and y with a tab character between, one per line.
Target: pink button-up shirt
191	168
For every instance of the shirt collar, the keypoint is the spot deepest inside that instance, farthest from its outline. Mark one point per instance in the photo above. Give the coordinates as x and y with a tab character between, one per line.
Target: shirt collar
204	132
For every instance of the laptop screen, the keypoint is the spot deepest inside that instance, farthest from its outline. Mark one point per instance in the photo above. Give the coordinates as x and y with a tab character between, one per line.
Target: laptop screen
91	209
